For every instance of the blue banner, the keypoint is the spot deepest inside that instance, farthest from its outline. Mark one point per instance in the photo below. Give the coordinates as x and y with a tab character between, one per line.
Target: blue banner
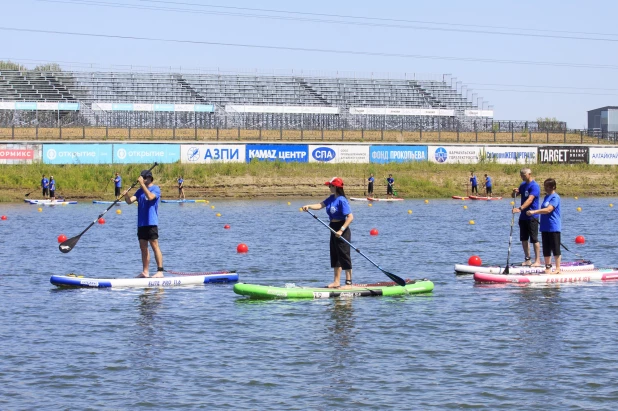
397	154
77	153
163	107
146	153
288	153
25	106
68	106
204	108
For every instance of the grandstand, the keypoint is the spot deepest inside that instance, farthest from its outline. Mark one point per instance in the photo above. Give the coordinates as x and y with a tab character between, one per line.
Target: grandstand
250	101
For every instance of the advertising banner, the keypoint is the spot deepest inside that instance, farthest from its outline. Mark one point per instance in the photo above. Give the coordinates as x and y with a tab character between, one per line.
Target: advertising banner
604	155
397	154
77	153
563	154
338	154
20	153
388	111
146	153
233	108
212	153
509	155
478	113
454	154
278	152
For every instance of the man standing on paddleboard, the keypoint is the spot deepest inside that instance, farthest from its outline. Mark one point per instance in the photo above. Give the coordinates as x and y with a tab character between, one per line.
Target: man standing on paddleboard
473	183
530	193
45	186
488	185
370	185
148	197
52	188
551	225
117	184
340	216
390	182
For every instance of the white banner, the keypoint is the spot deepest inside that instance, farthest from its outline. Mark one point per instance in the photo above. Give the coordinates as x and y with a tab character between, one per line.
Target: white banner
338	154
479	113
603	155
143	107
7	105
47	106
389	111
212	153
454	154
102	106
509	155
231	108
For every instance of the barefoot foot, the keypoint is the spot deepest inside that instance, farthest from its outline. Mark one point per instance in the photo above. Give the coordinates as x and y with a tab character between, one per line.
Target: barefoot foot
142	275
159	274
333	285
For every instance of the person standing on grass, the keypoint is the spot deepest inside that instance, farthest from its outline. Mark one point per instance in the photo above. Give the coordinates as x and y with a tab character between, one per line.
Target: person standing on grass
530	193
473	183
148	197
390	182
551	225
45	186
488	185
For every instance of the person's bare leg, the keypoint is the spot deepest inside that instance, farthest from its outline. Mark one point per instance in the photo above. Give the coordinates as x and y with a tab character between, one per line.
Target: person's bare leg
558	259
348	277
143	247
547	263
158	256
526	246
537	255
337	280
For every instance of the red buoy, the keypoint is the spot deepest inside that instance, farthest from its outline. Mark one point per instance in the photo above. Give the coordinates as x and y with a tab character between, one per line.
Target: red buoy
62	238
374	231
227	226
3	217
101	220
475	260
242	248
580	239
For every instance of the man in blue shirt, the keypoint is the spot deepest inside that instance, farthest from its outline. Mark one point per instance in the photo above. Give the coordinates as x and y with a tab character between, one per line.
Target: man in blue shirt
551	225
52	188
181	188
117	185
370	185
473	183
148	197
530	193
45	186
488	185
389	186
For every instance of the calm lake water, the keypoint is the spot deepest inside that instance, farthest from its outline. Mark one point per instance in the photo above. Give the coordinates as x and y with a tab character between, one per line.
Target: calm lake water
461	347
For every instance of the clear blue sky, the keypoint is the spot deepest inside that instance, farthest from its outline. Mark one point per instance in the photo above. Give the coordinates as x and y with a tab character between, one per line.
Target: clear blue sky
567	16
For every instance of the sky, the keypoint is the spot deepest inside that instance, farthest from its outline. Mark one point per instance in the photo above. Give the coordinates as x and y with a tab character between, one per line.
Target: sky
569	47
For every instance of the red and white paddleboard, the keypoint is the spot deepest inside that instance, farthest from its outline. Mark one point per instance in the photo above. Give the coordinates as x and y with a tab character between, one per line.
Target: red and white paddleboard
459	198
485	198
600	274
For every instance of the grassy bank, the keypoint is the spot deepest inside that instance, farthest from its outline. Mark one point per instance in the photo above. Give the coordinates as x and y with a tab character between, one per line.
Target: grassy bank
262	179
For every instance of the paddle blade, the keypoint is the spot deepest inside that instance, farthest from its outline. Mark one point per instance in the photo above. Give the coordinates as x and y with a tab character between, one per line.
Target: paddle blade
68	245
400	281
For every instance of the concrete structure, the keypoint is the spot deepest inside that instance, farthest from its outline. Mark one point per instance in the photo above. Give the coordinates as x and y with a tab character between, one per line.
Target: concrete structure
604	119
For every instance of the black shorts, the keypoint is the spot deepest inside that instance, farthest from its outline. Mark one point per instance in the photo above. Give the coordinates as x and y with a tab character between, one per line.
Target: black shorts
52	193
389	189
148	232
551	243
475	189
488	190
529	230
339	249
370	187
45	192
117	191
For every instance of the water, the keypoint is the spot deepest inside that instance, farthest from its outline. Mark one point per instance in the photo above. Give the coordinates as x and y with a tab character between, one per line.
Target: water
463	346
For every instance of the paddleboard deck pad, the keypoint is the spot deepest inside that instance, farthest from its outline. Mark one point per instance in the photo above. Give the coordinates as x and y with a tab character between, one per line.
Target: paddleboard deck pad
175	281
577	265
356	290
600	274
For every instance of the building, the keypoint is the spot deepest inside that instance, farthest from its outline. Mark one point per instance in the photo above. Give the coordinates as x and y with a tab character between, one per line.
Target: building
604	119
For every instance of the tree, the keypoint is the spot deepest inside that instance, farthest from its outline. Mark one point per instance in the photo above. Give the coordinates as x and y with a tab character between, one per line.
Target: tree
48	67
9	65
550	124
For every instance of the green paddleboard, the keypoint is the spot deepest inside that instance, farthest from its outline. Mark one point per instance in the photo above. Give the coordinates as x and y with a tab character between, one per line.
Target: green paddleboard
356	290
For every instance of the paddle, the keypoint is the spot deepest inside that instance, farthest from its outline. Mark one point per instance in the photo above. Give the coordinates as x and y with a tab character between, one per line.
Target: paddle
564	246
106	185
31	192
508	256
400	281
69	244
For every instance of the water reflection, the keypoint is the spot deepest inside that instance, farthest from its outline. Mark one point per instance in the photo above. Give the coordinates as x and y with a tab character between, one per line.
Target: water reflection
540	318
342	327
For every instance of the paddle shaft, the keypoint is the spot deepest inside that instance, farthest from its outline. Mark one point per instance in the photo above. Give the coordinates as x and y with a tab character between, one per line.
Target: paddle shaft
68	245
508	255
106	185
392	276
563	246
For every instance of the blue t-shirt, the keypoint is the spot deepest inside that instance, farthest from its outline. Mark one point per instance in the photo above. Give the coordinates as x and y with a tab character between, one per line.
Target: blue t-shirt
148	210
487	181
44	183
390	181
473	181
52	185
337	208
180	181
552	222
371	179
118	181
526	190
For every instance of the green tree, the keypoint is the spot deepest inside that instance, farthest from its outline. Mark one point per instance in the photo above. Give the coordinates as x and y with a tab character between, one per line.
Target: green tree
48	67
9	65
549	124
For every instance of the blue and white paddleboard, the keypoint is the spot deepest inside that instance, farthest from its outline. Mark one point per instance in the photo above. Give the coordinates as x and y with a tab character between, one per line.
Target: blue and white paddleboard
171	281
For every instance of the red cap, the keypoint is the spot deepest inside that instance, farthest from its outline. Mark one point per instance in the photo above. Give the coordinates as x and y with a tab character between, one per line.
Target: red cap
335	181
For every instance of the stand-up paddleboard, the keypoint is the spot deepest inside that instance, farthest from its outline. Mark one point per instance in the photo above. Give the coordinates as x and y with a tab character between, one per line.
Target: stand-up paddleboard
107	202
55	203
459	198
384	199
174	281
356	290
33	201
485	198
577	265
358	199
183	201
600	274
